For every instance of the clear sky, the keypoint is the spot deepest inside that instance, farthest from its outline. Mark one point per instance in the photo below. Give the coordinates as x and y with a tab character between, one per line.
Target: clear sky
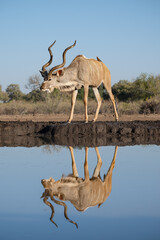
125	35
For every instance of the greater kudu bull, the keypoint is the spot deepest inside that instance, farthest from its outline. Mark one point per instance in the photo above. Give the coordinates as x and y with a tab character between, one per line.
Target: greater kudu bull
82	72
82	193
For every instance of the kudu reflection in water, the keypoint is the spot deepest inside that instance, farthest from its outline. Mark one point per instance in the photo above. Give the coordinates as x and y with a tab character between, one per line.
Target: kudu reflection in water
82	193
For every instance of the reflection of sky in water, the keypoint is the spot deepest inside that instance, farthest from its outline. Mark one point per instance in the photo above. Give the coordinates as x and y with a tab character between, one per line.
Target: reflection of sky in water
131	211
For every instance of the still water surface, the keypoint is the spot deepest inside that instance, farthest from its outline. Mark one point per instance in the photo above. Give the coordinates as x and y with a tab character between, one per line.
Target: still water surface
131	210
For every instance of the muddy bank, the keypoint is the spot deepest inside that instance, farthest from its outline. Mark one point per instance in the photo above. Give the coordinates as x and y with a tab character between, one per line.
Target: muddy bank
30	134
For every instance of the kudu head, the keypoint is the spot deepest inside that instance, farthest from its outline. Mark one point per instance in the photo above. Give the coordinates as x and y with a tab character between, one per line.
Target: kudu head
50	192
52	187
51	78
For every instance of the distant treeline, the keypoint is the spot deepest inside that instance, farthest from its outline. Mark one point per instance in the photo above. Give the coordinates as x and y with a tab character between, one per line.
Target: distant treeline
143	87
144	90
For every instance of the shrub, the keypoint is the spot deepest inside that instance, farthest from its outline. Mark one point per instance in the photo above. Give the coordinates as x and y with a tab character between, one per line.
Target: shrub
150	106
35	96
129	107
14	92
142	88
123	90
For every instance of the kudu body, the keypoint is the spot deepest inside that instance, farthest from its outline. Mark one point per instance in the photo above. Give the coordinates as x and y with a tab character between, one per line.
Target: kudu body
82	193
82	72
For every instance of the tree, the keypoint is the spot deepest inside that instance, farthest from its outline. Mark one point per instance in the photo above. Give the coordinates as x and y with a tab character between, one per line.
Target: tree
36	96
3	95
123	90
142	88
34	83
146	86
13	91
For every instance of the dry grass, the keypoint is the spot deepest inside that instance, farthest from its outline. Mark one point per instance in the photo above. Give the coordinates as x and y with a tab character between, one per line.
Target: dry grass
21	107
50	107
129	108
63	105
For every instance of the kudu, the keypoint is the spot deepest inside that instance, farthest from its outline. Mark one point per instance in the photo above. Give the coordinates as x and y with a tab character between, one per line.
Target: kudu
82	72
82	193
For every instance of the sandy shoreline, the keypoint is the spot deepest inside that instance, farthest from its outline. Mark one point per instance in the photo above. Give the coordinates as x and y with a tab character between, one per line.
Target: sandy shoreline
77	117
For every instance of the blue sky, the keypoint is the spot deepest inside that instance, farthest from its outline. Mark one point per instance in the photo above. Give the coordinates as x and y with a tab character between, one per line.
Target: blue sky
124	34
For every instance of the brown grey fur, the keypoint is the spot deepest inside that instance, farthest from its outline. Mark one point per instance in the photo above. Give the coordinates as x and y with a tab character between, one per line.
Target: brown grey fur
82	193
82	72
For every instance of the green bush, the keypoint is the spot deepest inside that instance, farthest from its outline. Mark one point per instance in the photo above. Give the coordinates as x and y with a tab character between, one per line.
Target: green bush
143	88
3	96
14	93
35	96
123	90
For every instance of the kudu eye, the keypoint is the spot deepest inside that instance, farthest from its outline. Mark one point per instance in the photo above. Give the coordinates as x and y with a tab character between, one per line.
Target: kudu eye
49	79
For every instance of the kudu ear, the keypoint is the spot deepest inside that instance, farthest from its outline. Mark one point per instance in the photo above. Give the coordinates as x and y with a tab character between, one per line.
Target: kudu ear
61	196
43	73
51	180
60	72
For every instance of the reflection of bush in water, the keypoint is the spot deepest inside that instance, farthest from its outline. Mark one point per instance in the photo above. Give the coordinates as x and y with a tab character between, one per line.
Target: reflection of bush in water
51	148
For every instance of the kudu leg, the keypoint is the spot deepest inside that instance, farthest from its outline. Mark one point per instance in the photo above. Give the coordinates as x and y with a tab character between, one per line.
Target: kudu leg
108	176
86	172
114	105
73	101
99	101
74	168
99	164
86	102
109	90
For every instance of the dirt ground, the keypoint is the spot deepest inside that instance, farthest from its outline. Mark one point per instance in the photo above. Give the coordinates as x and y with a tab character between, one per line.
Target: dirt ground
77	117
